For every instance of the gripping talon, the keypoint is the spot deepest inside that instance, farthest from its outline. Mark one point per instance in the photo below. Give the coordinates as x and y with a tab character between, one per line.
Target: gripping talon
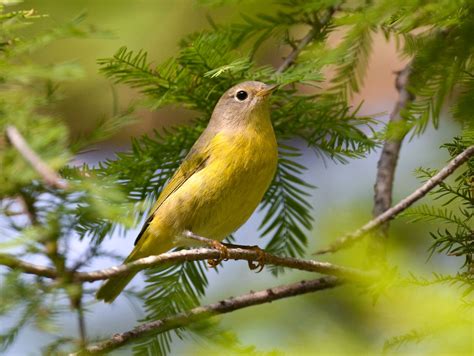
223	254
260	263
253	265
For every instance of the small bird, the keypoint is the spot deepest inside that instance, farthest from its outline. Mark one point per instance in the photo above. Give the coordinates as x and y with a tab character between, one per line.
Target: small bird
218	185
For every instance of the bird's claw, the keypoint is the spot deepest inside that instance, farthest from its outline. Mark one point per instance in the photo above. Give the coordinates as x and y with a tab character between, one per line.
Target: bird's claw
260	262
223	254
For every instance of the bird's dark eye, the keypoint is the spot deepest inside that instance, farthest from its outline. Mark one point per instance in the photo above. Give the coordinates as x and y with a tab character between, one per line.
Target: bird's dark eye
241	95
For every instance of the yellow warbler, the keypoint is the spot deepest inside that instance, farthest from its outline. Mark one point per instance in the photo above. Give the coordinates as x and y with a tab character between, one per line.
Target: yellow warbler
218	185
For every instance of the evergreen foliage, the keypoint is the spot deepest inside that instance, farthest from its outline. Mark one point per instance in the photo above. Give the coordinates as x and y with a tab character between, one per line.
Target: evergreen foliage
436	35
38	220
455	215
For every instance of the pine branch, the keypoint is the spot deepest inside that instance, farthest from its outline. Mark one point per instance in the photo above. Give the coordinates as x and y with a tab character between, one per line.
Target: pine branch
26	267
387	164
287	211
306	41
47	174
294	54
204	312
389	156
428	213
389	214
234	254
199	254
81	322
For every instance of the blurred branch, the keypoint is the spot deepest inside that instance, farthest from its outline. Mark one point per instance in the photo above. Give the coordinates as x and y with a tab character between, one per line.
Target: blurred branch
389	214
204	312
26	267
81	322
321	24
47	174
189	255
296	51
28	206
387	163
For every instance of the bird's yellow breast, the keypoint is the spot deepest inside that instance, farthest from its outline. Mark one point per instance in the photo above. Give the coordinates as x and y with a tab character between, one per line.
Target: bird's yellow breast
235	182
219	198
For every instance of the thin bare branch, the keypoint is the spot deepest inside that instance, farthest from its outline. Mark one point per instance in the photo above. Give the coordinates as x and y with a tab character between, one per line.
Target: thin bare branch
81	324
234	254
204	312
306	40
28	207
296	51
47	174
26	267
389	214
188	255
387	163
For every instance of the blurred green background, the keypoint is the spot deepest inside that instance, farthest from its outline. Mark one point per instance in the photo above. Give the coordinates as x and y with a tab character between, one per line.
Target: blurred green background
154	25
335	322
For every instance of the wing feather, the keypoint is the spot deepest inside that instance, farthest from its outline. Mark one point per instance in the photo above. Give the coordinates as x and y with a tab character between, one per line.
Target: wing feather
193	163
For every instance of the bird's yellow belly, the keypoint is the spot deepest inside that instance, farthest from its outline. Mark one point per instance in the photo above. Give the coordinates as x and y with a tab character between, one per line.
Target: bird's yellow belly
230	202
218	199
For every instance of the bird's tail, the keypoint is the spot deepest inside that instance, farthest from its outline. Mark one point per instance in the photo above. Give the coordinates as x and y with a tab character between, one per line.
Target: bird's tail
115	285
145	247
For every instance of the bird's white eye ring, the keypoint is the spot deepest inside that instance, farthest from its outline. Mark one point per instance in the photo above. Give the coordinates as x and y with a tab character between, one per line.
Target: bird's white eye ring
241	95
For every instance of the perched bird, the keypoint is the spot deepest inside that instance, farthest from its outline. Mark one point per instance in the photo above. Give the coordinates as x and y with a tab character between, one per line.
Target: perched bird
219	184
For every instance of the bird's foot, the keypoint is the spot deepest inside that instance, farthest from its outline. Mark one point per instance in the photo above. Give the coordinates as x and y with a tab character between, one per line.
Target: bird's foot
259	263
224	253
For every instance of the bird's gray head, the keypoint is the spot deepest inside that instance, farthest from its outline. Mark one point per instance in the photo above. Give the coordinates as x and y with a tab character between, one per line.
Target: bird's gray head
243	103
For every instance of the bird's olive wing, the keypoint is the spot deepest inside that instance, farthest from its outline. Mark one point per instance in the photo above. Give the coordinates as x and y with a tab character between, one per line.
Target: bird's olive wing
194	162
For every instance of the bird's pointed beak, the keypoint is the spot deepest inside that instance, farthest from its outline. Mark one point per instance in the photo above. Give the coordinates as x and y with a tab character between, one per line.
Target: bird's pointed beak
267	90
